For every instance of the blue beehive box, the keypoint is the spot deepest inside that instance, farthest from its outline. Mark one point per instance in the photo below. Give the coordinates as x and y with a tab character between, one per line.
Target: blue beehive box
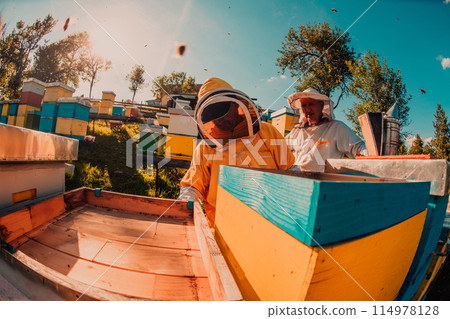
13	108
47	125
49	110
118	110
81	112
73	107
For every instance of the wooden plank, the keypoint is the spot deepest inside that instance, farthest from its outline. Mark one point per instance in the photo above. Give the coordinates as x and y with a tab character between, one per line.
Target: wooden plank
75	198
69	241
436	265
266	262
128	283
327	211
167	232
23	195
140	204
153	260
378	264
15	225
47	210
221	280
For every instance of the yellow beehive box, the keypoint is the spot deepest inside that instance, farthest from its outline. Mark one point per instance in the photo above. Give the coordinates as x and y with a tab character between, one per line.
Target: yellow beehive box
180	147
56	90
284	120
105	110
12	120
5	109
23	108
79	127
21	120
163	119
63	125
108	98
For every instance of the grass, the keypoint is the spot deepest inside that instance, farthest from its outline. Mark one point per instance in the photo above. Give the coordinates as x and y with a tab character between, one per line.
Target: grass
103	164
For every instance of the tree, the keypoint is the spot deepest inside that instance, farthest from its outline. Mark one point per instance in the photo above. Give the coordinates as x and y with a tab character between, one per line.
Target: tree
417	146
15	49
94	64
402	148
174	83
136	78
63	61
317	55
441	140
377	87
429	149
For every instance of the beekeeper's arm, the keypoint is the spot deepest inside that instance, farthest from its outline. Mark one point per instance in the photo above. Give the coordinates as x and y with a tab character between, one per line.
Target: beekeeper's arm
195	183
348	142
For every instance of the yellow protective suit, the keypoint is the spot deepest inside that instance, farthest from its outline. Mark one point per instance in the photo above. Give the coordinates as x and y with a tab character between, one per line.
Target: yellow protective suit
264	149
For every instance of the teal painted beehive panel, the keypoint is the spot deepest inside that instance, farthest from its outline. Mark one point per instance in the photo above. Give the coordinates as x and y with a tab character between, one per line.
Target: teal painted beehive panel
49	110
119	111
66	110
47	125
13	108
3	119
319	212
81	112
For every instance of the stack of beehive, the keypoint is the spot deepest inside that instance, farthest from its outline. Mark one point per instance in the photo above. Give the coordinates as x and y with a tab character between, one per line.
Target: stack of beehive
31	98
106	105
49	112
73	117
182	134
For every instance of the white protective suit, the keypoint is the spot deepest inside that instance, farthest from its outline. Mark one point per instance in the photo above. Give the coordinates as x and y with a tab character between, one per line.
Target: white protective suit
330	138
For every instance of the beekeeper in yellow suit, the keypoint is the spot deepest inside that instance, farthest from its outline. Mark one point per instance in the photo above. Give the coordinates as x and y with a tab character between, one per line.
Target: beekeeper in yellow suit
232	134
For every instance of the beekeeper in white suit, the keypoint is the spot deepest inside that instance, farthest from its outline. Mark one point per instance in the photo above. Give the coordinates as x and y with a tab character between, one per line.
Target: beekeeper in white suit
318	136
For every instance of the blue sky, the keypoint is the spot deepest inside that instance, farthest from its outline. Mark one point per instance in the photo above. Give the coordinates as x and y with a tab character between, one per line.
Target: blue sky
238	41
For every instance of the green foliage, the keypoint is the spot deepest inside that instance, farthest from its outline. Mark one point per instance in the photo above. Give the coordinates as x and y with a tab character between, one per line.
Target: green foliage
318	56
63	61
136	78
377	87
88	176
174	83
441	140
417	146
429	149
402	148
15	49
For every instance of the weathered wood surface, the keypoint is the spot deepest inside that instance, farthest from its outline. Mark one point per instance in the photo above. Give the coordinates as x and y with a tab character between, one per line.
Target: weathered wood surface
221	280
164	264
139	204
325	211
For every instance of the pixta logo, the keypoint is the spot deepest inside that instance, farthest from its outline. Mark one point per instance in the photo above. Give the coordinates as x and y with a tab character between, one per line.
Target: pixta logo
143	146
